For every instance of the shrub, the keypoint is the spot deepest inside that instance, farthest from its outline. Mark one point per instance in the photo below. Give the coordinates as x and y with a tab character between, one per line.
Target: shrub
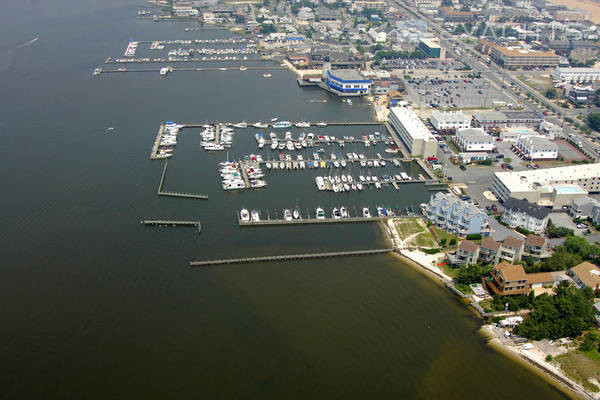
548	358
453	242
443	241
474	236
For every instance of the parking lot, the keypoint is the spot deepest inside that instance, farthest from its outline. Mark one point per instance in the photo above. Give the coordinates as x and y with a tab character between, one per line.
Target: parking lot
568	152
437	65
454	91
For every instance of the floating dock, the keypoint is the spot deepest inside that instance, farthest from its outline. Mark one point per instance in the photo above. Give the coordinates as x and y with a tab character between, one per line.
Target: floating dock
288	257
153	155
172	223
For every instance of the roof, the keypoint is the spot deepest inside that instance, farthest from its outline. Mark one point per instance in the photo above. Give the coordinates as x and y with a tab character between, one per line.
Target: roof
468	246
578	70
597	306
526	207
582	201
538	143
431	43
491	244
449	116
588	273
531	180
522	115
512	241
490	116
474	135
411	123
511	272
347	75
535	240
540	277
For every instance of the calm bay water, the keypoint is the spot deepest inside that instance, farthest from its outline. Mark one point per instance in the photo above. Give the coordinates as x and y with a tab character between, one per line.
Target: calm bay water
94	305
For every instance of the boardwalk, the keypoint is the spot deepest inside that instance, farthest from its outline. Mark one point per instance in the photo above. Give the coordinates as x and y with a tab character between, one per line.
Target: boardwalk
153	154
288	257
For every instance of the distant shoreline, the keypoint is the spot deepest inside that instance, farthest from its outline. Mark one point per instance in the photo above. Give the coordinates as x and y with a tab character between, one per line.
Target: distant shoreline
588	5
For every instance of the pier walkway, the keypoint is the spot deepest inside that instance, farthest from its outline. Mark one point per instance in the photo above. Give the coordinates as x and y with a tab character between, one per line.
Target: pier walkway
160	192
153	155
288	257
309	221
173	223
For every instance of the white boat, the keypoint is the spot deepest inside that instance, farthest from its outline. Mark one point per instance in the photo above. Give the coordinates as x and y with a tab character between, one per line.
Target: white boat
273	136
296	214
282	124
287	215
242	68
336	164
260	125
241	125
267	75
336	214
344	179
346	187
269	166
255	216
378	185
303	124
321	124
233	185
368	178
320	214
350	179
337	179
366	213
274	119
274	145
343	163
245	215
344	212
359	186
164	71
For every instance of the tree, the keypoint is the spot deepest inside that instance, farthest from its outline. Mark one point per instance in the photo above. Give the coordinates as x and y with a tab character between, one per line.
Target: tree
550	93
593	120
508	160
453	242
568	313
471	274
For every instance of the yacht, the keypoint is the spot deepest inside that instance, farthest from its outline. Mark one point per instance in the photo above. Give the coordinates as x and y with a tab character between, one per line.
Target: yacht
336	164
366	213
241	125
343	163
344	212
359	186
274	145
274	119
337	179
320	214
245	215
368	178
290	146
243	68
344	179
350	179
282	124
303	124
363	163
382	163
260	125
346	187
267	75
336	213
298	145
255	216
378	185
269	165
287	215
296	214
164	71
380	212
374	178
233	185
273	136
321	124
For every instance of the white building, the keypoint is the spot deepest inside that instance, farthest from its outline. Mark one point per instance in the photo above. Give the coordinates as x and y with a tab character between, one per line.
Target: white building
185	11
555	187
377	35
580	75
523	214
454	215
537	148
449	120
474	139
413	132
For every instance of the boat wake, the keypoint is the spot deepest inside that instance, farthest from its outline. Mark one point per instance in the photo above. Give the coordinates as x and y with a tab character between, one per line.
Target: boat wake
35	39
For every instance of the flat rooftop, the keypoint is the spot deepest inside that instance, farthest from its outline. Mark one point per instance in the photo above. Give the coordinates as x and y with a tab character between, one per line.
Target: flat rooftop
412	123
533	180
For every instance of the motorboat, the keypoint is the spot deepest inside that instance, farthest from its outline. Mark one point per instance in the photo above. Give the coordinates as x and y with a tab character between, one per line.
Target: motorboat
343	163
255	216
287	215
244	215
344	212
282	124
241	125
260	125
320	214
296	214
366	213
346	187
359	186
336	214
378	185
303	124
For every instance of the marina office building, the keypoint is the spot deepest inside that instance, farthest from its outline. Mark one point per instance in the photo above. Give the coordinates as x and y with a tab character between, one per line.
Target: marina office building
347	83
413	132
551	187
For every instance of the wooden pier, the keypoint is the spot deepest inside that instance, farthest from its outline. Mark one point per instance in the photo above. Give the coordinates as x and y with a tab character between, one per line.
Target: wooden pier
160	192
288	257
153	155
314	221
172	223
250	68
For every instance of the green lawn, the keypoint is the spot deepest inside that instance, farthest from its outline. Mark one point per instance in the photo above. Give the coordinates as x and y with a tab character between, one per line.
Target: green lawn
581	366
452	146
408	226
451	272
443	234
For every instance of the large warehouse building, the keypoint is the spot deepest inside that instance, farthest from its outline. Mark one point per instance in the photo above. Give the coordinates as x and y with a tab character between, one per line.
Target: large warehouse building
552	187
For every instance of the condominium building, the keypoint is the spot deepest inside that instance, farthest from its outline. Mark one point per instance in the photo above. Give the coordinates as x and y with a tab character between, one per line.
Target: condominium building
579	75
508	279
449	120
456	216
536	148
526	215
519	56
555	187
506	119
415	135
473	139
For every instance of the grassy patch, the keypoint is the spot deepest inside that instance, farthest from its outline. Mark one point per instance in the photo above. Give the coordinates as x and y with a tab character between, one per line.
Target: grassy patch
581	366
441	234
486	304
451	272
425	239
407	227
465	289
452	146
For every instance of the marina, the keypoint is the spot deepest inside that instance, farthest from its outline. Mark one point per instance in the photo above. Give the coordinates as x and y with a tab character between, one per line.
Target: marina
100	71
288	257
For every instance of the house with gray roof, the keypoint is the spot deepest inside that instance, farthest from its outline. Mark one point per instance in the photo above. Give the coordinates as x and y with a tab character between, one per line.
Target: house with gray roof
456	216
526	215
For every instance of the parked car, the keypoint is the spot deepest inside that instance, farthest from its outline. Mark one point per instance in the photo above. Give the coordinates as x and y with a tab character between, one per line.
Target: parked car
463	167
494	208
